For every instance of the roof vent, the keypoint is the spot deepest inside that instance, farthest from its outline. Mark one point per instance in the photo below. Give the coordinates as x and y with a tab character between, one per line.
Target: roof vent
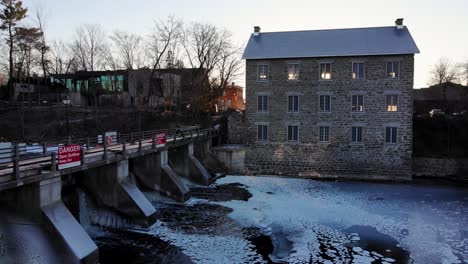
257	30
399	23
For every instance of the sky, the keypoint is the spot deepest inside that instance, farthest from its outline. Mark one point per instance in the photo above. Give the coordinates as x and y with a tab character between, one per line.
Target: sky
438	27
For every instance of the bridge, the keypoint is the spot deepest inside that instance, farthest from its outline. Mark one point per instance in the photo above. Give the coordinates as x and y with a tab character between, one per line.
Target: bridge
113	170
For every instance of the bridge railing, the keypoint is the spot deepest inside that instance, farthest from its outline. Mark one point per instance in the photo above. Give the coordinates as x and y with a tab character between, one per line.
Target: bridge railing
19	157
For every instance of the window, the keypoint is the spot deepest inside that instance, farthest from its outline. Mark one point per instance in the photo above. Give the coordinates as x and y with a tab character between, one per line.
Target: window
293	133
392	103
293	103
358	70
293	71
393	69
262	132
262	103
357	103
356	134
262	72
325	71
324	134
391	134
325	103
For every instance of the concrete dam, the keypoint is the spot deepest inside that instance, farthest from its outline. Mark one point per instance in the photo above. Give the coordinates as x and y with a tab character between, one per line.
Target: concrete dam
105	177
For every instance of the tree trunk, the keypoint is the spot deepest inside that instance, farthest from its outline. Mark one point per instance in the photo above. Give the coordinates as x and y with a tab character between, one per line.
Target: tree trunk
10	81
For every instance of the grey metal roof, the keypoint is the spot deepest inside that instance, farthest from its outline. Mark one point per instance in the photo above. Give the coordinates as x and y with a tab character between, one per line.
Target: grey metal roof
331	43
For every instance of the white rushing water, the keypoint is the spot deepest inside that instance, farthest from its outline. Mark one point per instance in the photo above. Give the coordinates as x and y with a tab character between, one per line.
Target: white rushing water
431	222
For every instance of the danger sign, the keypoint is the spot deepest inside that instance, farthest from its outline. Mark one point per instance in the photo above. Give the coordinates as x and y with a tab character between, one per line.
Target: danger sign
160	139
69	156
109	140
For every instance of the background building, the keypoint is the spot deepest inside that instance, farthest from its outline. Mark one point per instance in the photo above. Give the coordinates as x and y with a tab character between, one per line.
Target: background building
232	98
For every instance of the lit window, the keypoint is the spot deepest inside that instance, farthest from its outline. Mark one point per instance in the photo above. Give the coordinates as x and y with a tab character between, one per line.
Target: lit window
293	71
293	133
357	103
293	103
262	103
392	103
391	134
325	71
393	69
356	134
262	72
324	134
325	103
262	133
358	70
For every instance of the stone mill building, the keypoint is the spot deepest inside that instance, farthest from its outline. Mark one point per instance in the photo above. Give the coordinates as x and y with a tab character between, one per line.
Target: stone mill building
330	103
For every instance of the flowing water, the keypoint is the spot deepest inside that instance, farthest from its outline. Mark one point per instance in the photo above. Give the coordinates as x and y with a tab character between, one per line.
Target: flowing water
243	219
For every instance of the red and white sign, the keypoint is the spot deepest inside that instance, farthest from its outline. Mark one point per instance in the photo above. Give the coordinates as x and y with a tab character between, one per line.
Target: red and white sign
160	139
69	156
109	140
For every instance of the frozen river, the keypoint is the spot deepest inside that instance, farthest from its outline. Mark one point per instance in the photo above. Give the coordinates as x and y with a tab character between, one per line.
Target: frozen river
267	219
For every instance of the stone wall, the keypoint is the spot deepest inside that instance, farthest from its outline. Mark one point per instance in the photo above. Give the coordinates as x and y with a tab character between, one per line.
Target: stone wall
440	167
373	158
236	128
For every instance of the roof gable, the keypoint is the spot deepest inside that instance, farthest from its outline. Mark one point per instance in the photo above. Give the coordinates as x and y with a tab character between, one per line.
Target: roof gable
331	43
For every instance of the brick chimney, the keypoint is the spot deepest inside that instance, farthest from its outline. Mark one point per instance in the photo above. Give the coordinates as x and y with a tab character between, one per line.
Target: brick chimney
399	23
257	30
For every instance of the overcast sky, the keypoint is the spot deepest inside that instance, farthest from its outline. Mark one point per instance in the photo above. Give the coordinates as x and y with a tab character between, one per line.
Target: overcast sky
438	27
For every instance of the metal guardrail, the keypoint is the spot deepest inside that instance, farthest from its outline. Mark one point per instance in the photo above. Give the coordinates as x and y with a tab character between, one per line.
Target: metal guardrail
44	155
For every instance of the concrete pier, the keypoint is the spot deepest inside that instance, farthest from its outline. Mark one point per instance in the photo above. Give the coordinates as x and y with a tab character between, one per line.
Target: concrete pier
41	204
154	172
112	187
232	156
184	163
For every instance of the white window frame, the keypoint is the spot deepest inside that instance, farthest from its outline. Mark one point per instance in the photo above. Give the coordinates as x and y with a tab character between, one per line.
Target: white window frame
357	110
262	136
397	73
395	106
323	77
325	131
292	135
267	73
324	110
393	137
358	129
356	77
261	105
295	76
293	104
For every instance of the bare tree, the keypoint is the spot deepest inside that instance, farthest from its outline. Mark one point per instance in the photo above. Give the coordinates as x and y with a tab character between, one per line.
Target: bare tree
61	58
128	47
444	71
89	47
43	48
464	71
164	35
204	45
229	67
210	50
